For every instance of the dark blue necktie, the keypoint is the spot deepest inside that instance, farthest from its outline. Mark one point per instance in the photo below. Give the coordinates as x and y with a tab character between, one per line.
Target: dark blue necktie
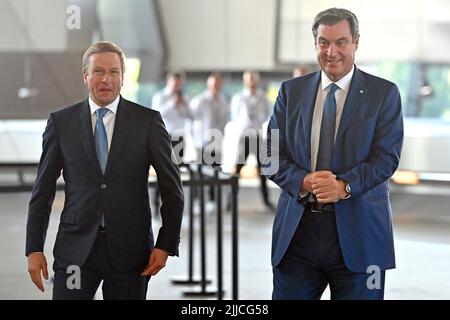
101	139
327	131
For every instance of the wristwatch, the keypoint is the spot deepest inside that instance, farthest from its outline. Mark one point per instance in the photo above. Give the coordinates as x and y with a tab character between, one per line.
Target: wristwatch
348	189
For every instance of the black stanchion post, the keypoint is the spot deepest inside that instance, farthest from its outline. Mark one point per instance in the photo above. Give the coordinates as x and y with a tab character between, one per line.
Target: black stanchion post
202	230
190	279
220	290
203	281
234	235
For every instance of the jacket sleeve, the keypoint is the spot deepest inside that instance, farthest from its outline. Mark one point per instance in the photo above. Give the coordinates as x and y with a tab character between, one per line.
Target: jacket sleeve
43	194
277	163
170	187
386	147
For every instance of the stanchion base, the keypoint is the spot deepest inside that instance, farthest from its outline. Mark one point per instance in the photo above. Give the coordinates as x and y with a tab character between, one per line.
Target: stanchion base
182	280
203	293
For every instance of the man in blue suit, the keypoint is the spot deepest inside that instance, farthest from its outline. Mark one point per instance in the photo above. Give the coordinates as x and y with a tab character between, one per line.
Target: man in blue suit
104	147
338	135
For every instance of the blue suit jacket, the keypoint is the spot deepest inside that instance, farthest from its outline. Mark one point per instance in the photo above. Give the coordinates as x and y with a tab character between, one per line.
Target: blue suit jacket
366	154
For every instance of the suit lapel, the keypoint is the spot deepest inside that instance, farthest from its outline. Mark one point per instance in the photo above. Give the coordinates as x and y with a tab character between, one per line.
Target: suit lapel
87	136
307	103
121	127
355	98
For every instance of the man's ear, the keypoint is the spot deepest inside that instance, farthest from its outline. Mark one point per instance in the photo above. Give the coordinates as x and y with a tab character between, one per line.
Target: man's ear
85	78
356	41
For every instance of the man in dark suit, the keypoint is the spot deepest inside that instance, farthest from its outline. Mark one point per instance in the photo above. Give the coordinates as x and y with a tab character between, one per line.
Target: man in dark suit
104	147
338	136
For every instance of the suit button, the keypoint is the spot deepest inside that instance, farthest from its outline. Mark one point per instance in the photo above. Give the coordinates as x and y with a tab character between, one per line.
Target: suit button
103	186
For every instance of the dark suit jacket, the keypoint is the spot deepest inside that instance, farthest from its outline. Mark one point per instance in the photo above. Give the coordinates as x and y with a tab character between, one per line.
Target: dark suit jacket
121	194
366	153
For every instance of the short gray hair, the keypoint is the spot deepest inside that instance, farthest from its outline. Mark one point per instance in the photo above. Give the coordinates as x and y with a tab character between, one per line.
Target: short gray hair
102	47
334	15
254	73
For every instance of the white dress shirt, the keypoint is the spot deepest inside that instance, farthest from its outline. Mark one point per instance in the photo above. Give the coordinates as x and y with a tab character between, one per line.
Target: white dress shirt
340	94
209	113
250	111
175	117
109	119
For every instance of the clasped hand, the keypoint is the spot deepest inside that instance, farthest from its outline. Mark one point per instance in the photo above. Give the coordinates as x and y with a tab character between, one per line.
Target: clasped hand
325	186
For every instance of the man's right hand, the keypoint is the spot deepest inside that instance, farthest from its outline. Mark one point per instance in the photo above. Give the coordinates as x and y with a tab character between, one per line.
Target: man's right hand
37	264
313	177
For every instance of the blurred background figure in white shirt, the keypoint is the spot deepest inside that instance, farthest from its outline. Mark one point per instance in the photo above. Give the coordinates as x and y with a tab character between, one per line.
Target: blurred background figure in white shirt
299	71
250	109
176	114
211	113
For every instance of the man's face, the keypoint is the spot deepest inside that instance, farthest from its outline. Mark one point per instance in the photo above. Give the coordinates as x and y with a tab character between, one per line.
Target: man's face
335	49
175	84
104	77
250	80
214	85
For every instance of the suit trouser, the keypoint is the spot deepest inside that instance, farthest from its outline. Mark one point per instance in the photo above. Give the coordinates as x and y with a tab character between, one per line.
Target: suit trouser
314	260
116	284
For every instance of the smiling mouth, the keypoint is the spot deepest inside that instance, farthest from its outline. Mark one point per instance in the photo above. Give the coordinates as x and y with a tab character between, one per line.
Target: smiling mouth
333	62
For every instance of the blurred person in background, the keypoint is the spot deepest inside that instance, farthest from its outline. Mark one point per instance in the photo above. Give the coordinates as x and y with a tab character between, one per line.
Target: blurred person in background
211	111
340	135
299	71
174	108
176	114
249	110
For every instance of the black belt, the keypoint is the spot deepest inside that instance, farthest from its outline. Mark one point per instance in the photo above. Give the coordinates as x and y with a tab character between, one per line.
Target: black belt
316	207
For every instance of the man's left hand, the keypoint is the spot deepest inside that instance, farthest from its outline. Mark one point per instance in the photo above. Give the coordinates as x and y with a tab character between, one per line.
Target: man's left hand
156	262
328	189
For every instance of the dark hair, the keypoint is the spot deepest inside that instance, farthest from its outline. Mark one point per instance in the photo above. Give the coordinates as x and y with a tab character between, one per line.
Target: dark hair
334	15
177	74
215	74
102	47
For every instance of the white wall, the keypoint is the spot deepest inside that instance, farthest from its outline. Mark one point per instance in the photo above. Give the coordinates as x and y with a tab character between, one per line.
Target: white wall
220	34
33	25
390	29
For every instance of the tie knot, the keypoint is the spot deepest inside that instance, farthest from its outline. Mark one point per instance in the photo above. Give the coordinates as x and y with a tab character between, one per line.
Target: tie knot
333	88
101	112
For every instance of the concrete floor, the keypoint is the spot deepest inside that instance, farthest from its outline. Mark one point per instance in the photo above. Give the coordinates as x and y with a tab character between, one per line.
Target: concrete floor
421	226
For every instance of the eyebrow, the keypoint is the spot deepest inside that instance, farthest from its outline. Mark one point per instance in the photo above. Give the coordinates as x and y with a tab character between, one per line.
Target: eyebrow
340	39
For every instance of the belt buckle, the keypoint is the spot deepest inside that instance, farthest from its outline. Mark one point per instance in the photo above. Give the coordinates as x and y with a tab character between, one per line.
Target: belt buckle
312	207
319	207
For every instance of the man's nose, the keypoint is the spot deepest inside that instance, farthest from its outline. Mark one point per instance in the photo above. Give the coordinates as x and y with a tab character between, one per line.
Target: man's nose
332	49
106	77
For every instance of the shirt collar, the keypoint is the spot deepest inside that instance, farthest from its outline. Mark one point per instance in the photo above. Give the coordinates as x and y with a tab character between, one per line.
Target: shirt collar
112	106
343	83
210	96
247	93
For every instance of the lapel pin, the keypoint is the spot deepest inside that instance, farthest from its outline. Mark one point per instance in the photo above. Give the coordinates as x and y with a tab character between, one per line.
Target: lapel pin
361	91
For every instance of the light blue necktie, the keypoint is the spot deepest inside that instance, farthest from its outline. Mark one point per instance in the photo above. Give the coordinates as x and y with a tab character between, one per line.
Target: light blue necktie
101	139
101	146
327	131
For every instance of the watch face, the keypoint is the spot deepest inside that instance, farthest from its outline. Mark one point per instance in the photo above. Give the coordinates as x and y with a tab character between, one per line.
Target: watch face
347	188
